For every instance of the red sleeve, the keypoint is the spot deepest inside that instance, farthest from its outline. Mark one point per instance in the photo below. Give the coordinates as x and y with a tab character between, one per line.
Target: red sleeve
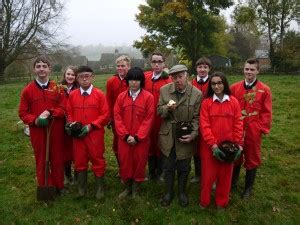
145	127
119	124
266	113
24	112
205	124
103	118
238	123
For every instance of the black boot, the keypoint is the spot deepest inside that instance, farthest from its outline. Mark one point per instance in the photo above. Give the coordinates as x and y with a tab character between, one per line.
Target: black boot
197	164
99	187
249	182
82	183
235	177
68	173
159	171
152	167
135	189
168	197
182	196
128	189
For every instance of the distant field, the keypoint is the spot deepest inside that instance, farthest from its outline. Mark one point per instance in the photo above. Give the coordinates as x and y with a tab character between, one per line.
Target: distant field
276	196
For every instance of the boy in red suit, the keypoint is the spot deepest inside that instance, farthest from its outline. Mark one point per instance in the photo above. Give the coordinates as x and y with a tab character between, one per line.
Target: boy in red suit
219	121
133	113
88	106
203	67
154	80
114	86
41	107
256	104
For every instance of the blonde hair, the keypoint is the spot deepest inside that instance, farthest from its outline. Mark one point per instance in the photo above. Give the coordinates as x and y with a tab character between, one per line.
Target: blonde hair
124	58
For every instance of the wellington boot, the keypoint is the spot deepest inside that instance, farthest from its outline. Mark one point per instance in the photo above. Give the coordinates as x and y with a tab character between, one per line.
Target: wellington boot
249	182
99	187
235	177
82	183
169	181
182	196
127	191
135	189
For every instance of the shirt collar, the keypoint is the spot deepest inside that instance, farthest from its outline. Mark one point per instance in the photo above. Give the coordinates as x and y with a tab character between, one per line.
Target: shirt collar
225	98
89	90
204	79
156	76
249	84
41	84
121	78
134	94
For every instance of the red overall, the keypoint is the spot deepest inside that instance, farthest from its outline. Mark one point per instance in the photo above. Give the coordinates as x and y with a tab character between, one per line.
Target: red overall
134	118
154	88
218	122
256	106
35	100
92	109
114	87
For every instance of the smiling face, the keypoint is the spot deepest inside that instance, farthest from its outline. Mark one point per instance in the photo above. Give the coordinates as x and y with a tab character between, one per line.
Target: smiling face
217	86
250	72
70	76
122	68
202	70
42	70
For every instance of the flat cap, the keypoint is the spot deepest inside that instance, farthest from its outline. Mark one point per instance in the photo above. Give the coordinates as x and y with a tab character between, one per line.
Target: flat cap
177	68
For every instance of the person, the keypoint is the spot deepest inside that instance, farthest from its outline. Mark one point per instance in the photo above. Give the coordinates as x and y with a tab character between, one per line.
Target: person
256	104
88	106
178	104
41	107
70	84
203	67
219	121
133	115
114	86
154	80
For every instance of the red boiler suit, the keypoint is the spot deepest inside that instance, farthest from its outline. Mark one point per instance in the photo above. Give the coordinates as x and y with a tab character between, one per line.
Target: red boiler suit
114	87
256	106
91	109
218	122
134	118
202	87
154	88
34	101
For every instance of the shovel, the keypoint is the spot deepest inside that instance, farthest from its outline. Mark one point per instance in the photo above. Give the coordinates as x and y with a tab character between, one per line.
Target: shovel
46	193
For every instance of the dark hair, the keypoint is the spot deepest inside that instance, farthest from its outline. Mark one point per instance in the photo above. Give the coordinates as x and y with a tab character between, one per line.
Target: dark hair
82	69
210	91
64	82
253	61
136	73
204	61
157	53
43	59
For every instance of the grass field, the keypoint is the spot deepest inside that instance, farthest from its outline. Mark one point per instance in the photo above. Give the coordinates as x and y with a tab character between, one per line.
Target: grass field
276	195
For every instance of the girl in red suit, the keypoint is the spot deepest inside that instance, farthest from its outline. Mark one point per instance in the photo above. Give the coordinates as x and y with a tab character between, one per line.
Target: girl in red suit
133	115
220	120
70	83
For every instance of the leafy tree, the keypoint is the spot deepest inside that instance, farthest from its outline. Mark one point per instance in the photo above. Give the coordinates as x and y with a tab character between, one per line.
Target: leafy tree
193	26
27	28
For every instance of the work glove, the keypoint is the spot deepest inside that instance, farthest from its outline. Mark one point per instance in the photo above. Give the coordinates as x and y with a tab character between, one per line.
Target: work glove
237	154
84	131
218	154
42	122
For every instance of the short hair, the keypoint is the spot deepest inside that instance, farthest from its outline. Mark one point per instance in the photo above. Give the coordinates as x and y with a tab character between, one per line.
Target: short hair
82	69
136	73
74	69
204	61
158	53
43	59
253	61
124	58
226	91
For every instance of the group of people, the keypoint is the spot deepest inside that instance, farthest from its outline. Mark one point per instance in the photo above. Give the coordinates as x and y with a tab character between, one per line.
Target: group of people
158	117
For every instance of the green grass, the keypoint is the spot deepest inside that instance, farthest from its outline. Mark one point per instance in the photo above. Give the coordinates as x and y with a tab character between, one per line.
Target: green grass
276	196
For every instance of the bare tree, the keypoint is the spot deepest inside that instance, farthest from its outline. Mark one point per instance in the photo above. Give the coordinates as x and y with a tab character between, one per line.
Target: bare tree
27	28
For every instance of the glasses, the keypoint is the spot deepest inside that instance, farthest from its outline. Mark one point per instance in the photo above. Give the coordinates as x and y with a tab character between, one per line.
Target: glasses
84	76
219	83
157	62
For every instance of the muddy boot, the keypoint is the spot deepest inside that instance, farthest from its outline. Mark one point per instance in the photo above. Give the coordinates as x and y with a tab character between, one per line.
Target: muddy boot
75	180
82	183
68	173
99	187
235	177
182	196
127	191
135	189
249	182
169	181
